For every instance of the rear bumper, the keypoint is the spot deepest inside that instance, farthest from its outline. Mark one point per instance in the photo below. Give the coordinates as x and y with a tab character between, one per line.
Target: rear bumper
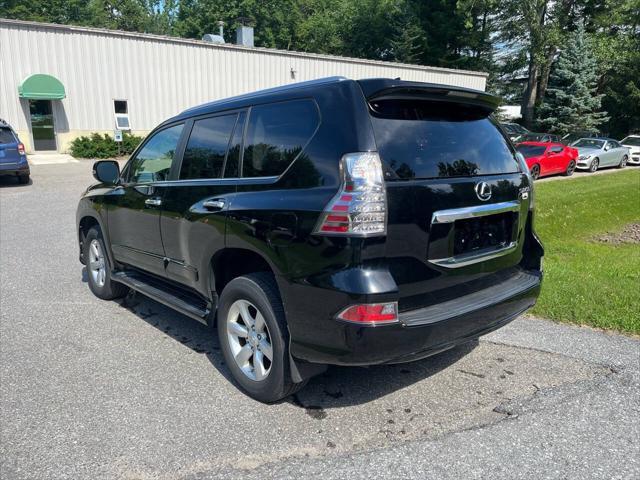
414	337
14	169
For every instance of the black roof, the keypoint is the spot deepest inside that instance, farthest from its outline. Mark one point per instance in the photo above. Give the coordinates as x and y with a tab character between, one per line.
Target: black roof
373	87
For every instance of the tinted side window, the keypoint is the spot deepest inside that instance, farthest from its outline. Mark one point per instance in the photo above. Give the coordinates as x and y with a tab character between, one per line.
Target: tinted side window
233	157
153	162
207	147
276	134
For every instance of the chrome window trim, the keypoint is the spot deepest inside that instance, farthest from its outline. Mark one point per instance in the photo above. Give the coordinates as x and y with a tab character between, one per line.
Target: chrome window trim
450	216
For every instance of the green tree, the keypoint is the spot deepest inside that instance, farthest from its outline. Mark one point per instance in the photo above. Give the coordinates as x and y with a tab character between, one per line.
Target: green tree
572	102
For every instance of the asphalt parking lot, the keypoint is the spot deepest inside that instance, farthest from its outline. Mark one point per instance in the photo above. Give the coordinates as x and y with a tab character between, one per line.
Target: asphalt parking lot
131	390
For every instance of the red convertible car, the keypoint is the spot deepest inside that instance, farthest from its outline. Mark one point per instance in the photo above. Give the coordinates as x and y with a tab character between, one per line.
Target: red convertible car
548	158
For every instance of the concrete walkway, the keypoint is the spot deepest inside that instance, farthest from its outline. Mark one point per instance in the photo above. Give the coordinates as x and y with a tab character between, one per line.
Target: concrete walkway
50	158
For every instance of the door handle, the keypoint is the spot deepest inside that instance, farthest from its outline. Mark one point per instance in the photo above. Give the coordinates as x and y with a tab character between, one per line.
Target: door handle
213	204
153	202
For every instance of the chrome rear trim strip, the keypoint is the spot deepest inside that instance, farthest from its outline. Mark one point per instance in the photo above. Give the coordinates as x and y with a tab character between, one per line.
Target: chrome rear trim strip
449	216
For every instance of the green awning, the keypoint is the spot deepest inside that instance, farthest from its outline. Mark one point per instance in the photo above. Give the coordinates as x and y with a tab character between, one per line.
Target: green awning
41	87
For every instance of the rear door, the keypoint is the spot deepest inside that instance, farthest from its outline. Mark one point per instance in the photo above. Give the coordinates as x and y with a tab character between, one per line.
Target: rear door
457	198
195	206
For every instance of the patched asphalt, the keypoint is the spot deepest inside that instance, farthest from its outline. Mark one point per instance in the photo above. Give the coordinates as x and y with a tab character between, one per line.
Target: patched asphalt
132	390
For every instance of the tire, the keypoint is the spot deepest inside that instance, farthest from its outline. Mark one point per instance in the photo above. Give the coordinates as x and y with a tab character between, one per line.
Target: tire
258	293
535	172
570	168
595	163
23	179
100	283
623	162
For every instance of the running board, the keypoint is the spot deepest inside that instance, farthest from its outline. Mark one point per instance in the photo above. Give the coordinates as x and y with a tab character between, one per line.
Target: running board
187	303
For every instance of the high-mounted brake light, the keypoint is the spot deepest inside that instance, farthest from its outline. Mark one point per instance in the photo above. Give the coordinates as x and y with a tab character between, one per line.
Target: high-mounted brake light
371	313
359	209
21	149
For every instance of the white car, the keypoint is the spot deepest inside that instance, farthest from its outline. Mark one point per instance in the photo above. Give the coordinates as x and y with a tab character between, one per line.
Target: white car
632	142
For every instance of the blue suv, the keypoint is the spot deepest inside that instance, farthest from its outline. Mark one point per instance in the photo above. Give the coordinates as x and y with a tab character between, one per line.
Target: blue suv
13	160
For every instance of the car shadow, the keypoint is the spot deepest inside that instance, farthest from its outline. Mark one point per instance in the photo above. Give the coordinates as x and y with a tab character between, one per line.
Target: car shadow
337	387
12	181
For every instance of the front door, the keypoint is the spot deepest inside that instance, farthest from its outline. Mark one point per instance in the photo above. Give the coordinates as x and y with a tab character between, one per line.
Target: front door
610	155
556	159
135	206
42	127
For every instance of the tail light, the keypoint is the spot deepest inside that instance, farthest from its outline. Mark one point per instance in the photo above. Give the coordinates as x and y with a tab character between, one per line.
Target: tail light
21	149
359	209
371	313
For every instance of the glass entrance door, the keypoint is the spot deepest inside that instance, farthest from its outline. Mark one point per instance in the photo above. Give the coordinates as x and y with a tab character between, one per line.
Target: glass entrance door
44	135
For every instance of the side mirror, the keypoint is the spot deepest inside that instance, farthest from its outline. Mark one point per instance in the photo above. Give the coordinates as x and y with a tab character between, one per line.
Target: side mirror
106	171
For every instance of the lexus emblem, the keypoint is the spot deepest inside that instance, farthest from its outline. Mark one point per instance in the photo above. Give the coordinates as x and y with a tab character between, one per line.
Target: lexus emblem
483	191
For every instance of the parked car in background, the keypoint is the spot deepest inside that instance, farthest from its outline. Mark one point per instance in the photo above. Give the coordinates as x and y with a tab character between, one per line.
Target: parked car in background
326	222
594	153
13	159
540	137
548	158
514	131
632	142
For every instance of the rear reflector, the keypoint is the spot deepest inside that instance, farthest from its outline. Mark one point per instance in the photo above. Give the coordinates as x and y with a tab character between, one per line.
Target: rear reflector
371	313
20	149
359	209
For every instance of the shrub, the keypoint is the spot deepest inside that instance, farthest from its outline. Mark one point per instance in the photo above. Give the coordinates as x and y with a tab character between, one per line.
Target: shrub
103	146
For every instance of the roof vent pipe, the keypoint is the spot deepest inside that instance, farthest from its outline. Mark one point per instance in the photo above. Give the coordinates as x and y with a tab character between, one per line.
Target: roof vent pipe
211	38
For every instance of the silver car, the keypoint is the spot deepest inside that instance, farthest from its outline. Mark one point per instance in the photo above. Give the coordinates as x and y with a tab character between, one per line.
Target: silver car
594	153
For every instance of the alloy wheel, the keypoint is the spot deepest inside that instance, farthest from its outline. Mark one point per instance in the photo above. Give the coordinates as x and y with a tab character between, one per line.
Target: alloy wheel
97	264
249	340
535	172
594	165
571	168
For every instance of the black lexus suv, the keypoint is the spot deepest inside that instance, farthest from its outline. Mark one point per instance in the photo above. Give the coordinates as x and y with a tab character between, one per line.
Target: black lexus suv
327	222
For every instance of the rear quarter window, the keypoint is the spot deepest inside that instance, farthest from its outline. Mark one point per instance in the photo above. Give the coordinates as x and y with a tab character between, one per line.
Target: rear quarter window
6	136
425	139
276	135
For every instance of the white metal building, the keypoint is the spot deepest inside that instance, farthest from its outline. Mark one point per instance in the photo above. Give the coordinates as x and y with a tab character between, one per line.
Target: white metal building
58	82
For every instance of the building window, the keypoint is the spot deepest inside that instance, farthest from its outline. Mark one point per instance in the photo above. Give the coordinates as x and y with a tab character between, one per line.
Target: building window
120	106
121	112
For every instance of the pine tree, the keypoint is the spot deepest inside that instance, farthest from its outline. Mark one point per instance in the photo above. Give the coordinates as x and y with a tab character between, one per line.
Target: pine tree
571	102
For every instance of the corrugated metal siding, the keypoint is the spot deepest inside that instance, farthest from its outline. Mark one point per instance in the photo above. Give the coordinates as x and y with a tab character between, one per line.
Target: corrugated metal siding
159	76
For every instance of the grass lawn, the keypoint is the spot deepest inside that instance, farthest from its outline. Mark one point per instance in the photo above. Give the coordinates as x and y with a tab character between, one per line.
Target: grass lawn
586	281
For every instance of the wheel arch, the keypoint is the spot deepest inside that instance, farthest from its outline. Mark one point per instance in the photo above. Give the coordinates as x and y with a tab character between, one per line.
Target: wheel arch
87	220
230	263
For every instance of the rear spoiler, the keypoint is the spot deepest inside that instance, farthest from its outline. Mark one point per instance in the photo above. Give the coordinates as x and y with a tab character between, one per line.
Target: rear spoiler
386	89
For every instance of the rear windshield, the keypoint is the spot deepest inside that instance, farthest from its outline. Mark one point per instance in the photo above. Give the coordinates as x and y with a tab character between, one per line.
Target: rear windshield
426	139
6	135
531	150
